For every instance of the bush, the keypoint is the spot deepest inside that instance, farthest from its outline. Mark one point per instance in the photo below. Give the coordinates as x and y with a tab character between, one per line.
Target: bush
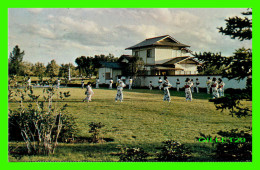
39	123
173	151
232	151
95	130
133	155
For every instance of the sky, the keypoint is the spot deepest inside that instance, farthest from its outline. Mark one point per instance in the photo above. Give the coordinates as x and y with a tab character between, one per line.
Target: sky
63	34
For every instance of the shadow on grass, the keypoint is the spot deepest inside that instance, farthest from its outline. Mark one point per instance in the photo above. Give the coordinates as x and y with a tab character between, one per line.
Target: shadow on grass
200	152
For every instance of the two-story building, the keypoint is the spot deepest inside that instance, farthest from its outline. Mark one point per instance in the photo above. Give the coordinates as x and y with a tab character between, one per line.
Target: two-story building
164	55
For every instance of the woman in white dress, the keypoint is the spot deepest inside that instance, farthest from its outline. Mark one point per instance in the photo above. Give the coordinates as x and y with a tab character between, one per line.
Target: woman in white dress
110	83
130	83
197	85
178	84
214	86
188	93
119	94
221	85
89	92
97	83
166	85
160	83
150	85
208	82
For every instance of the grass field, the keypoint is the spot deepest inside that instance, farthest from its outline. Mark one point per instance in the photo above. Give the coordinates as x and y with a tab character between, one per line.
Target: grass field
141	120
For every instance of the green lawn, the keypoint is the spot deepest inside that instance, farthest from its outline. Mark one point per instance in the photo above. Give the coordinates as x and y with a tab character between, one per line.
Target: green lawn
141	120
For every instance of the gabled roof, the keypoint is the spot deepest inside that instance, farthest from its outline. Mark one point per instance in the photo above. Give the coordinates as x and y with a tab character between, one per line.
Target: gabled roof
157	41
110	65
122	57
166	68
178	60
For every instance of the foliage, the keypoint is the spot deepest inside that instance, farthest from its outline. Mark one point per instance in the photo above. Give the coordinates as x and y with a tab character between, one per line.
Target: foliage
40	123
26	69
39	70
52	69
238	66
234	148
232	102
89	65
64	70
14	61
232	151
173	151
133	155
95	130
134	67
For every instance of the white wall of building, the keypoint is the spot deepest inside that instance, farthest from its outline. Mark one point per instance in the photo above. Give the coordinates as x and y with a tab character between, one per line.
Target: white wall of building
163	54
113	73
188	67
172	79
143	54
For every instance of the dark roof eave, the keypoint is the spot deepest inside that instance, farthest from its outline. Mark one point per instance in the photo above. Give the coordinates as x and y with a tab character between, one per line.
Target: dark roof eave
131	48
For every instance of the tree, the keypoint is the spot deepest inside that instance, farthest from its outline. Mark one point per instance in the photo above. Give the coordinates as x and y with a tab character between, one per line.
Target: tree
14	61
64	70
238	66
26	68
84	65
135	66
39	70
52	69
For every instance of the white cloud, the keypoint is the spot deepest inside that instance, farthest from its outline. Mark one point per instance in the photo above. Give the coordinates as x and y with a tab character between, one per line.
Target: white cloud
35	10
70	33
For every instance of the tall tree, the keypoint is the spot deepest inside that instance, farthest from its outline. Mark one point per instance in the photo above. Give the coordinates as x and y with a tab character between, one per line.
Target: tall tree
238	66
14	61
52	69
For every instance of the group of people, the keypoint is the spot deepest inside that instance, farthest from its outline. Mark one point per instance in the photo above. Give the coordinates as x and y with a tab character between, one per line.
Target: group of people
217	87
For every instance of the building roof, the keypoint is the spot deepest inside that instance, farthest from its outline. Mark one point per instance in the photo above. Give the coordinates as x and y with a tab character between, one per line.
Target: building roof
114	65
177	60
157	41
122	57
166	68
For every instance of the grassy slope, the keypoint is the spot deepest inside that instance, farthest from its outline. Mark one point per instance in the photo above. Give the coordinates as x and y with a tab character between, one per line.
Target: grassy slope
143	120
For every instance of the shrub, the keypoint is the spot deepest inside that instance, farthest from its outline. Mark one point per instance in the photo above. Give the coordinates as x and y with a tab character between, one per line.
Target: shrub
233	151
95	130
173	151
39	123
133	155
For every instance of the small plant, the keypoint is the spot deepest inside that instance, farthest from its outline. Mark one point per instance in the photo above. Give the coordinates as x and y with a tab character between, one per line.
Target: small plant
173	151
95	130
133	155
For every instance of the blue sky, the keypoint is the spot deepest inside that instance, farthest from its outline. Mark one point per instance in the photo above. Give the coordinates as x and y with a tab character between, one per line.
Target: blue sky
65	34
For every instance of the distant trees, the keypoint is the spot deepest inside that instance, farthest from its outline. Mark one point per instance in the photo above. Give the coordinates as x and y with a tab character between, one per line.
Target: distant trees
86	66
15	60
89	65
52	69
64	70
39	70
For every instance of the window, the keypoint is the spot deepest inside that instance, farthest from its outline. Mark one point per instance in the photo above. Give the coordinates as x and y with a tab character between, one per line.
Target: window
107	75
136	54
149	53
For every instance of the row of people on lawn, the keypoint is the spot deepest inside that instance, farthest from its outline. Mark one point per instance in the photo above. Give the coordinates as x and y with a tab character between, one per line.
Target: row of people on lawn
217	87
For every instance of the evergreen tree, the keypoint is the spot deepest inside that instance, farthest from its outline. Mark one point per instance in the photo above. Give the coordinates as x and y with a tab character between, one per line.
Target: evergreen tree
14	61
238	66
